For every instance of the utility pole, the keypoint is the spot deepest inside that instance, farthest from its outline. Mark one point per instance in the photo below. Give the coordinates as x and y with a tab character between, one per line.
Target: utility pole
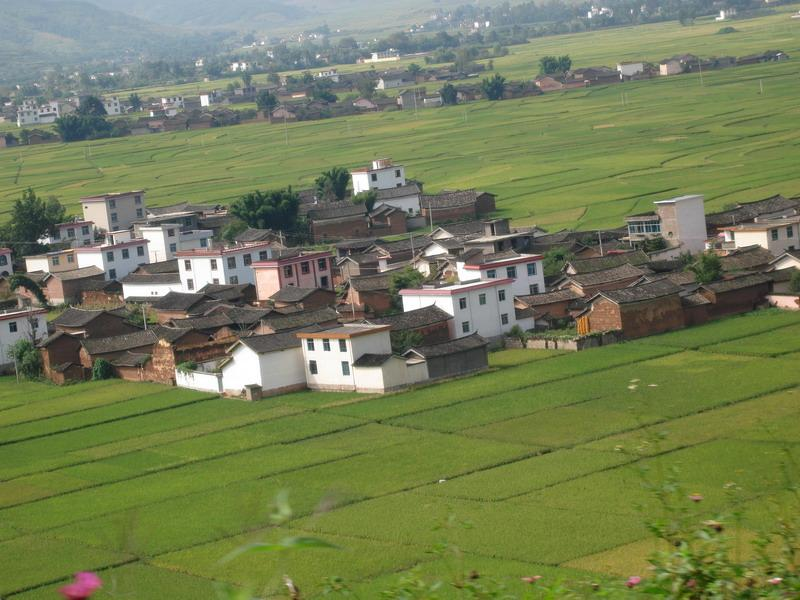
144	317
761	86
430	212
700	66
285	129
600	239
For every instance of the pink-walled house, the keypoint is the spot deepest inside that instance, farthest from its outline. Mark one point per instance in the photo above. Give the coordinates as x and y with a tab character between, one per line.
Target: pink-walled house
293	268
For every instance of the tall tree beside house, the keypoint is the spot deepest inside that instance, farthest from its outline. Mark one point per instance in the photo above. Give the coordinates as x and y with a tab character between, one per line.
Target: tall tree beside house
554	260
366	88
494	87
332	184
707	268
91	106
135	101
18	280
403	340
266	102
552	65
414	69
31	218
76	128
321	91
275	209
403	279
367	198
449	94
247	79
27	359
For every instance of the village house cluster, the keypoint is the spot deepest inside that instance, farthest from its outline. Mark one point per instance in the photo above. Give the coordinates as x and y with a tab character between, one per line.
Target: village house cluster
153	292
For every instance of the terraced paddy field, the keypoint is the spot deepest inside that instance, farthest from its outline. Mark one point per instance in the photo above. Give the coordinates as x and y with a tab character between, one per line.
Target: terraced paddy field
582	158
543	457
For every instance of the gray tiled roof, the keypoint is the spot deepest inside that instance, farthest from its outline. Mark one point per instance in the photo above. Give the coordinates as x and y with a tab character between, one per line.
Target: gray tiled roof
450	199
292	293
76	317
549	297
409	189
370	283
748	257
621	272
412	319
78	273
273	342
179	301
336	210
118	343
131	359
299	320
751	210
145	278
737	283
463	344
164	266
371	360
645	291
600	263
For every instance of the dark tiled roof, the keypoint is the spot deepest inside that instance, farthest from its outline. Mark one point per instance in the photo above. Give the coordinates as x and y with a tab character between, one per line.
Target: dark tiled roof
413	319
145	278
748	257
370	283
339	210
179	301
694	300
600	263
256	235
417	243
131	359
624	271
76	317
183	207
292	293
450	199
463	344
737	283
751	210
223	291
119	343
549	297
362	258
466	228
164	266
371	360
78	273
273	342
299	320
102	285
645	291
204	323
356	244
408	189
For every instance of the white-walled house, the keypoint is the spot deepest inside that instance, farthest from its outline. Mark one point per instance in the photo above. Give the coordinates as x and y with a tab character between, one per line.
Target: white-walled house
629	69
680	222
381	175
356	358
76	233
29	113
112	105
210	98
220	265
167	238
20	324
56	261
172	102
525	270
141	286
117	256
776	235
114	211
274	362
483	307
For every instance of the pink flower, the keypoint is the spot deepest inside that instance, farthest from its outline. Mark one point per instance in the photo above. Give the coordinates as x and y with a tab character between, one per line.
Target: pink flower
691	583
533	579
696	497
775	580
633	581
83	587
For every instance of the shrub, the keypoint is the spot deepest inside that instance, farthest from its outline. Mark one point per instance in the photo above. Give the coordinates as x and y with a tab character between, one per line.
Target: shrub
794	282
27	359
724	30
102	369
186	366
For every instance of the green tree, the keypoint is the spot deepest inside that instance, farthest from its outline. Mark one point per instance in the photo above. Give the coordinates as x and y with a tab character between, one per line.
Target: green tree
707	268
366	88
551	65
367	198
101	370
232	229
135	101
794	282
332	184
403	279
75	127
308	77
31	218
18	280
321	91
247	79
91	106
564	63
27	358
266	102
403	340
414	69
555	259
276	209
449	94
494	87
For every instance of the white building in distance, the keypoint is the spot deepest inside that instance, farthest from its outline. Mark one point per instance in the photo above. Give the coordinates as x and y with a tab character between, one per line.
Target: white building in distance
29	113
525	271
75	233
20	324
680	221
114	211
167	238
112	105
120	254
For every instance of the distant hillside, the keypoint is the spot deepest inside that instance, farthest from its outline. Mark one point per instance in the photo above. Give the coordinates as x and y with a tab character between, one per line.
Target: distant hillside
45	32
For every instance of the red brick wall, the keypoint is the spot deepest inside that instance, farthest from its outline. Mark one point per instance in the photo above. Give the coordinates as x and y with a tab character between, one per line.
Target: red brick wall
356	228
377	301
604	316
64	349
653	316
396	223
433	334
736	301
100	298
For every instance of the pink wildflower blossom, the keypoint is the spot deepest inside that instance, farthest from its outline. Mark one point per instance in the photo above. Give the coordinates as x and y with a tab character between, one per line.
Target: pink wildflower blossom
633	581
84	585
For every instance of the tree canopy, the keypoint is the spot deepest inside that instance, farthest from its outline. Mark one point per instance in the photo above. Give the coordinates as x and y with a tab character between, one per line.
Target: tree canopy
31	218
367	198
76	127
707	268
494	87
266	101
135	101
275	209
91	106
551	65
407	278
449	94
332	184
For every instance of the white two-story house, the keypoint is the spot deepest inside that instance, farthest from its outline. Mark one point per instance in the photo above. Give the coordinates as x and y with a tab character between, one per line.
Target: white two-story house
220	265
482	307
525	270
75	233
120	254
167	238
20	324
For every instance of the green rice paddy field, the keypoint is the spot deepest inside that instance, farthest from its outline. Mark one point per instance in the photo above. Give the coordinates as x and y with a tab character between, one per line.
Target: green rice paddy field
580	158
543	456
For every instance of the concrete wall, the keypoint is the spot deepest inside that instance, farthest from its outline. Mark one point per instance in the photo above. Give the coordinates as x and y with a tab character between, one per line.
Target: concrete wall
272	371
784	301
458	364
154	290
389	177
199	380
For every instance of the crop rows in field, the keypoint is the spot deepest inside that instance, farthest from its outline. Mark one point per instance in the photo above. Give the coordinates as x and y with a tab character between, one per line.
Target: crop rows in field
536	466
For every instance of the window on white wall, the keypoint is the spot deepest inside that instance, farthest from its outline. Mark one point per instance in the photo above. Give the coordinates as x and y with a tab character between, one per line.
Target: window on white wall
531	268
312	367
345	368
501	295
465	327
462	303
